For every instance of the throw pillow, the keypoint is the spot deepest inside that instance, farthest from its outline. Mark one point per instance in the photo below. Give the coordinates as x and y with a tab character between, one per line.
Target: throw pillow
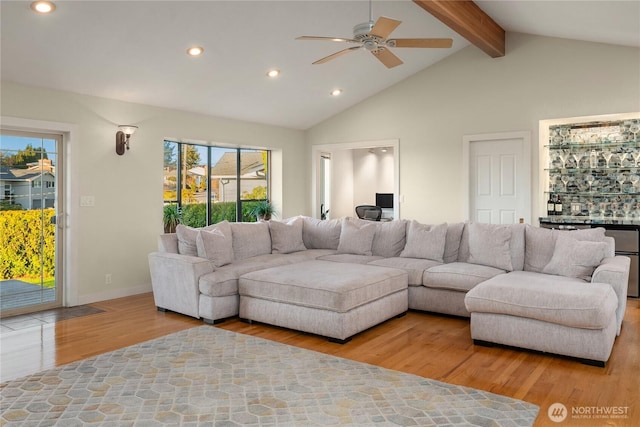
540	244
187	236
187	240
390	236
356	239
452	244
286	236
425	241
389	239
216	245
575	258
250	239
489	244
321	234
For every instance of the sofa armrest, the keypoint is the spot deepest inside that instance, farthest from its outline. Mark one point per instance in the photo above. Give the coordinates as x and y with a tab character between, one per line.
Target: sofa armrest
615	272
174	279
168	243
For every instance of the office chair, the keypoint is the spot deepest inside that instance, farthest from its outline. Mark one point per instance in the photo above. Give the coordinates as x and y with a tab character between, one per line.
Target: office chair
368	212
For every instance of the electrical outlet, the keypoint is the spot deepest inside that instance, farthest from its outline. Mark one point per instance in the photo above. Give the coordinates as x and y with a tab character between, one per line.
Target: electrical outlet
107	279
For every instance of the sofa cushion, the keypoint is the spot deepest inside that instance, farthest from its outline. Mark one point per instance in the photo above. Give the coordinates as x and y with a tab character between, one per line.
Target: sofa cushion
250	239
458	276
425	241
562	300
540	244
187	237
349	258
489	244
389	238
187	240
224	280
414	267
574	258
321	234
452	243
216	245
286	236
356	237
168	242
516	246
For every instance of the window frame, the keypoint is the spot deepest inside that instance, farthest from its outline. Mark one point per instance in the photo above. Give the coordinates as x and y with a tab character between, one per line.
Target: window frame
180	150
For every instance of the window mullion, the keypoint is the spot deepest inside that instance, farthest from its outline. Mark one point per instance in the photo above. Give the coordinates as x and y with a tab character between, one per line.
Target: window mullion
238	199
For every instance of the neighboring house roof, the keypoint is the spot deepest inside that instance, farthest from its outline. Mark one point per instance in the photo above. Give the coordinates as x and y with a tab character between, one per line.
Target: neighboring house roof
250	163
42	165
198	171
15	174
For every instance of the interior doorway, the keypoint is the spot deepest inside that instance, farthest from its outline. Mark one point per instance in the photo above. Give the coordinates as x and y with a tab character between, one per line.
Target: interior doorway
498	177
325	185
349	174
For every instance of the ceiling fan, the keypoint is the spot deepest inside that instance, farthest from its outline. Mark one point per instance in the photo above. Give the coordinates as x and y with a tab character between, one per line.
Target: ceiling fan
374	38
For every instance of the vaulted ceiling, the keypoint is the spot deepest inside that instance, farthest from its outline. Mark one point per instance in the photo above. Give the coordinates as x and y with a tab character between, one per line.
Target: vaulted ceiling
136	50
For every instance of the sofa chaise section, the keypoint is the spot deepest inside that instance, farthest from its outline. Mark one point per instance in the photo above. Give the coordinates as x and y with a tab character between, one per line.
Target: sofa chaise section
549	314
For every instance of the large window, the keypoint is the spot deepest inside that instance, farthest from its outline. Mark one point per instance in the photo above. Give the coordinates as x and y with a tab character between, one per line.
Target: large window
213	184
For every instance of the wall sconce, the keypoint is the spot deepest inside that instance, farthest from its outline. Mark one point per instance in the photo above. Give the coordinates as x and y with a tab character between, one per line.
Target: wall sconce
122	137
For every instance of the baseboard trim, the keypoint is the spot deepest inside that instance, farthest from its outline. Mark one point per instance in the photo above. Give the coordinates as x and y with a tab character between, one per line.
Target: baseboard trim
114	293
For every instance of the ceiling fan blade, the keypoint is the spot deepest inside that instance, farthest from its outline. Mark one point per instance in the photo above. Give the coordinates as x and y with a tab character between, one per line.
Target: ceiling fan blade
387	57
443	43
337	54
384	26
333	39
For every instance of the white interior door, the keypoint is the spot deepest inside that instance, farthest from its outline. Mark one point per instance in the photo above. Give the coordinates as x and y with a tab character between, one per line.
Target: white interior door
499	178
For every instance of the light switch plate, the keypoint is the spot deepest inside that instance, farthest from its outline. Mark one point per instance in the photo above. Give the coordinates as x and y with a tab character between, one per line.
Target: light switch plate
87	201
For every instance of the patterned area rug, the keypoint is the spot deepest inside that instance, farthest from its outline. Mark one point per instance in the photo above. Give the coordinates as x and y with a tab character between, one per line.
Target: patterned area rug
207	376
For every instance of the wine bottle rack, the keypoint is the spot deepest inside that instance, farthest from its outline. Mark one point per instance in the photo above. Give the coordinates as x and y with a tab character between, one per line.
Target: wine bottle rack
594	168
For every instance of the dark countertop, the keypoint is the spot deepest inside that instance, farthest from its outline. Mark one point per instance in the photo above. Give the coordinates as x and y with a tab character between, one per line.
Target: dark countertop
594	222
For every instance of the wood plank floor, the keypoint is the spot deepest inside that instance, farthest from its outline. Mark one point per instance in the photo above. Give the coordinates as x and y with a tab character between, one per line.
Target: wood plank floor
429	345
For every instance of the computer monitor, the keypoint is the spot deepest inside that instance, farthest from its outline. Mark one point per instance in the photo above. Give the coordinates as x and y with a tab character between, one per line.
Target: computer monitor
384	200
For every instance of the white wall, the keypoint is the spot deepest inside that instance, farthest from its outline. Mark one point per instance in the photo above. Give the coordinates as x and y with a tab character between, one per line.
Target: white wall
372	173
342	187
471	93
357	175
116	235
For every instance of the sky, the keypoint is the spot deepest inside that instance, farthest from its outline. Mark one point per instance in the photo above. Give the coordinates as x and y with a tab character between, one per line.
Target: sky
10	144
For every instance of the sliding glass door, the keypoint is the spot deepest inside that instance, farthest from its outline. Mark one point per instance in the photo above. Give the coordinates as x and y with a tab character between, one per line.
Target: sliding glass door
30	166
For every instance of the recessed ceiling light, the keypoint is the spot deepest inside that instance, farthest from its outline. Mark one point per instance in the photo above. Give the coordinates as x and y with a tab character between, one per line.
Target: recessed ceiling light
43	6
336	92
273	73
195	50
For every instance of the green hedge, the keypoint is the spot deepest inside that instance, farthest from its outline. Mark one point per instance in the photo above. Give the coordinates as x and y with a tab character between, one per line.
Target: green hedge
20	237
195	215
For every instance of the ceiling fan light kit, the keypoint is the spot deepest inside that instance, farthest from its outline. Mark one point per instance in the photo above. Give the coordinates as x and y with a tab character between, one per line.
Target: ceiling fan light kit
374	38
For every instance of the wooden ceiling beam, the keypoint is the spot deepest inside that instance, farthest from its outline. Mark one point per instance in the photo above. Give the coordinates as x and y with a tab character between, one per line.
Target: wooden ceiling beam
468	20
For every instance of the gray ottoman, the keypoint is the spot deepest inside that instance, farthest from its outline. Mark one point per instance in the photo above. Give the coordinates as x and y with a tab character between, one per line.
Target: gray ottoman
335	300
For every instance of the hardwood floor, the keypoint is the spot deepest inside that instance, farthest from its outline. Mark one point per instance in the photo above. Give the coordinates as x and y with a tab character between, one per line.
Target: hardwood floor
429	345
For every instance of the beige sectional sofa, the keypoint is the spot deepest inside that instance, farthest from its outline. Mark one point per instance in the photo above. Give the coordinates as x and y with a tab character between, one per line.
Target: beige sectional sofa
561	292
